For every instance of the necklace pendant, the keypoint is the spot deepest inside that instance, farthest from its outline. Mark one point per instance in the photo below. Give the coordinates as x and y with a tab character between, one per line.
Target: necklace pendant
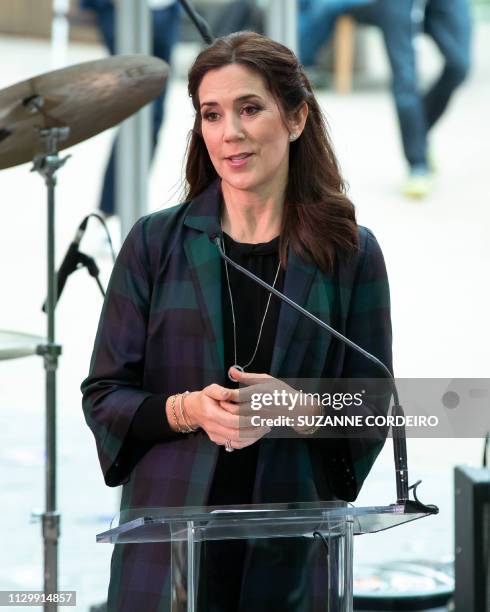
238	368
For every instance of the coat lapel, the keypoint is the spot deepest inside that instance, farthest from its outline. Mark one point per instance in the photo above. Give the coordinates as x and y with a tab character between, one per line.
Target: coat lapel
308	287
205	267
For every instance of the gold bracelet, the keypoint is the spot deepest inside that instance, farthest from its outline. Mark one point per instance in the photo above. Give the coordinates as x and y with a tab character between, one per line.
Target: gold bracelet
183	412
186	428
173	399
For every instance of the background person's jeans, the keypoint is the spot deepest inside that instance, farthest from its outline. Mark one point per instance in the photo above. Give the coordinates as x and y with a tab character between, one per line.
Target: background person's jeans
448	22
316	21
165	33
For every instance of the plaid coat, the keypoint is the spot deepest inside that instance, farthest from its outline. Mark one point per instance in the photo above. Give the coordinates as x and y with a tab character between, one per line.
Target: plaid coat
161	332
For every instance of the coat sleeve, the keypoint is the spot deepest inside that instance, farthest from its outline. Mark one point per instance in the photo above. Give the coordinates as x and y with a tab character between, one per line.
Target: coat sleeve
367	322
112	392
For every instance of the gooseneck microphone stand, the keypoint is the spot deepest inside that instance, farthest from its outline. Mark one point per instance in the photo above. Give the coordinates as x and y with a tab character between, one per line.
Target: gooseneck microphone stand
47	164
399	436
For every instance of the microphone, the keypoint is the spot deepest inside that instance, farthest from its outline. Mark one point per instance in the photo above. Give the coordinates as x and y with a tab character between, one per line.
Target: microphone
399	437
70	261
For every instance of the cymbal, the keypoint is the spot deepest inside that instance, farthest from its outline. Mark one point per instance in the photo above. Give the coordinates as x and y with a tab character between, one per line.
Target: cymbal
17	344
88	98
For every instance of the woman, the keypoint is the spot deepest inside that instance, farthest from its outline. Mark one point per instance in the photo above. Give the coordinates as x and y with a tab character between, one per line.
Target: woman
260	168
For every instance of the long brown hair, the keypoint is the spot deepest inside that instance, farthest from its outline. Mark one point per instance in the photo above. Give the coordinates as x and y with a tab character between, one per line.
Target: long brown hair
319	219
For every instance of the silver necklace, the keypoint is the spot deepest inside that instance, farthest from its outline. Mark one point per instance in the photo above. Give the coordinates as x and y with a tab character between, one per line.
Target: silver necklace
235	365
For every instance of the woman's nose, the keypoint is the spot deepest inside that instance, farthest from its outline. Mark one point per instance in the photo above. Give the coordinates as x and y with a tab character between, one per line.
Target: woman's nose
233	129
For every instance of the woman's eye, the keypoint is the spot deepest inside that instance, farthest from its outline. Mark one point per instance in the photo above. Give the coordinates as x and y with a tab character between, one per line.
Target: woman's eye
210	116
250	110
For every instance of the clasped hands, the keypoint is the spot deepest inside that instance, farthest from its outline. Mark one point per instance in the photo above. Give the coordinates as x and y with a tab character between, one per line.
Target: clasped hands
226	414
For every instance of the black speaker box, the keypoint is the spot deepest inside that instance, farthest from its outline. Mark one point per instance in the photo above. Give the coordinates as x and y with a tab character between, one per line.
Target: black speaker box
472	539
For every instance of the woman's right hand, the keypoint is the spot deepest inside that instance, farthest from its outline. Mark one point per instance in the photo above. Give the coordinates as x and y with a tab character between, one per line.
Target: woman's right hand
203	409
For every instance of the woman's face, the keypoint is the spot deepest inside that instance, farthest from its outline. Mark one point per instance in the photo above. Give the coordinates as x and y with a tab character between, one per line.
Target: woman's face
243	129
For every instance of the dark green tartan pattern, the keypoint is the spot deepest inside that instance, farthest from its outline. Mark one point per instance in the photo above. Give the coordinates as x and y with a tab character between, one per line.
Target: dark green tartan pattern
160	332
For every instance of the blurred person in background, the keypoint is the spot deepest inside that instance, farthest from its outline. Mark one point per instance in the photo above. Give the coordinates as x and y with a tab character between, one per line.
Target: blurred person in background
448	23
165	27
316	22
161	397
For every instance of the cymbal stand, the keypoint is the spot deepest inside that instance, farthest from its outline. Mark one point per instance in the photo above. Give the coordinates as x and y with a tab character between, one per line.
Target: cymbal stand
47	164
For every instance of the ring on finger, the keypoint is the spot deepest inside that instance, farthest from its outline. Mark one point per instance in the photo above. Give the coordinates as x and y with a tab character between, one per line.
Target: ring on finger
228	447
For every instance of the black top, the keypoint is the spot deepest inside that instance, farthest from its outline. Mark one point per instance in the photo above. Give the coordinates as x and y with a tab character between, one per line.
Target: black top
249	301
235	472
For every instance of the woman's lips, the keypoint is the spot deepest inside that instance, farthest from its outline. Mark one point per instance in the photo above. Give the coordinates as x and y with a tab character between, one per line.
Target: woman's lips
238	161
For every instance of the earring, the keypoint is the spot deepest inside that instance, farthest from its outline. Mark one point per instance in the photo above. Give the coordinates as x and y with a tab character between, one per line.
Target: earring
293	137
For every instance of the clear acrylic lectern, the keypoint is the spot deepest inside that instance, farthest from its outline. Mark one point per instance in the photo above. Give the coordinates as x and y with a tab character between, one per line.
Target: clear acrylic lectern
188	528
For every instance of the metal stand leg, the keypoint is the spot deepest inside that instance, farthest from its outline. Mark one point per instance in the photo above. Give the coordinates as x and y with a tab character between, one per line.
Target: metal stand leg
348	565
191	596
47	165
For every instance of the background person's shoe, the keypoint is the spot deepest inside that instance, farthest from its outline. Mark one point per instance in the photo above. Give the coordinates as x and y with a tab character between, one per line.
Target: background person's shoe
418	184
